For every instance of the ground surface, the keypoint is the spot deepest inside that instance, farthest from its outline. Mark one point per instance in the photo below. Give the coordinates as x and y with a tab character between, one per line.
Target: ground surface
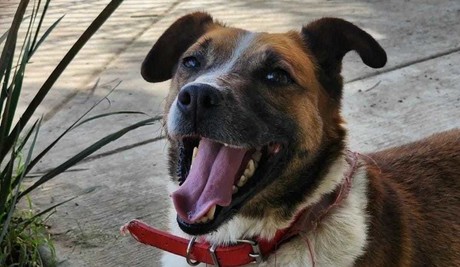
416	94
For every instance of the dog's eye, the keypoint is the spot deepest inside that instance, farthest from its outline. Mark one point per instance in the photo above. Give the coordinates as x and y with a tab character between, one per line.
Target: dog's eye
278	76
191	62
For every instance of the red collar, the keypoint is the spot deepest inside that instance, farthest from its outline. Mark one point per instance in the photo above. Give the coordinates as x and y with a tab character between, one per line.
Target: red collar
245	251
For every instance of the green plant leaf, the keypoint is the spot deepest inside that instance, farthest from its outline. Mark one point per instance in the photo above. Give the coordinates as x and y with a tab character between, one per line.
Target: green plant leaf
5	34
20	147
3	37
88	151
15	198
10	44
47	32
31	219
43	91
124	112
6	187
16	88
72	126
37	31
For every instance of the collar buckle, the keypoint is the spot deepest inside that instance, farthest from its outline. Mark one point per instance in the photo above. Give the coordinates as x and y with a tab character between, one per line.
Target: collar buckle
256	253
188	251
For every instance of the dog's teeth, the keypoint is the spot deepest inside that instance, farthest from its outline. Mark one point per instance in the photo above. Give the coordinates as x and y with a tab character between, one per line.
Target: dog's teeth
234	190
250	169
195	152
225	144
210	214
242	181
257	156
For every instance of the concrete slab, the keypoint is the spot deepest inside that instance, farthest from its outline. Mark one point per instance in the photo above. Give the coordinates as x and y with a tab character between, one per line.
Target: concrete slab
403	105
416	94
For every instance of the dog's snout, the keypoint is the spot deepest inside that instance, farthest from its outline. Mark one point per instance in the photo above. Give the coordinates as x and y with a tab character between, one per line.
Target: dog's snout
197	99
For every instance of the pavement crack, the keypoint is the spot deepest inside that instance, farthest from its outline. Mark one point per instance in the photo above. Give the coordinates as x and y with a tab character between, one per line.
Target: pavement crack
405	64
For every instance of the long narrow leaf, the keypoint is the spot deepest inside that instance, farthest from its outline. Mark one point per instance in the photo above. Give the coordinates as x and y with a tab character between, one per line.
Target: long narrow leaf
20	147
72	126
86	152
37	31
3	206
17	87
6	61
31	219
6	78
3	37
109	114
10	44
95	25
4	199
6	186
47	32
27	38
15	199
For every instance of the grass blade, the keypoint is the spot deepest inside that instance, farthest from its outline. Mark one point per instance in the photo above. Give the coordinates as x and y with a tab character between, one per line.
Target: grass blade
31	219
50	146
10	44
88	151
47	32
16	88
20	147
4	93
95	25
16	195
6	187
3	37
37	31
109	114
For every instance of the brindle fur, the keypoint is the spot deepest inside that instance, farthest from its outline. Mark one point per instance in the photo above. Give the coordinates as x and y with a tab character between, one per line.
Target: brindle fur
413	191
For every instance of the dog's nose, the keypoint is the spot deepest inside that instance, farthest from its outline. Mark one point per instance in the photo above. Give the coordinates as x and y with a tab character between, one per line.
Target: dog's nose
197	99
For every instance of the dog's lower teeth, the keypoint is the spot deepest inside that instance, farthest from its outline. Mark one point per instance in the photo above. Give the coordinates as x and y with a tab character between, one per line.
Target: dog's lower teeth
234	190
195	152
210	214
242	181
250	169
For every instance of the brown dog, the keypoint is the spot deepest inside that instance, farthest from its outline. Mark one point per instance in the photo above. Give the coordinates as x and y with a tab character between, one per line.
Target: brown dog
259	116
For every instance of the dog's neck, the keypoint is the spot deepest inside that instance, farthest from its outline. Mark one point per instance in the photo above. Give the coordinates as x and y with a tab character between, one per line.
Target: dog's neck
308	219
329	194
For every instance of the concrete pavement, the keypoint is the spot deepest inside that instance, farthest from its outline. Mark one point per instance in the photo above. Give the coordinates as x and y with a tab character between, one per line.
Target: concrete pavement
416	94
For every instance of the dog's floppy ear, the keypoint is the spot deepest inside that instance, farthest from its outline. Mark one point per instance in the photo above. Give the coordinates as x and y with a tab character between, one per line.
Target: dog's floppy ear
160	62
329	39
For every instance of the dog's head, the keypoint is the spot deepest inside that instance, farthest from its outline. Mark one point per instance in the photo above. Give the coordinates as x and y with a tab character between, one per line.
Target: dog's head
257	113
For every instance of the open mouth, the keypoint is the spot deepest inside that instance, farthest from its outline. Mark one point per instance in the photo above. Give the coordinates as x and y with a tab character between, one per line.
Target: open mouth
216	180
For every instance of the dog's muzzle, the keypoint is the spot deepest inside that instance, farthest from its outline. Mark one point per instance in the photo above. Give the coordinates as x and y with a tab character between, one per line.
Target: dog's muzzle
195	101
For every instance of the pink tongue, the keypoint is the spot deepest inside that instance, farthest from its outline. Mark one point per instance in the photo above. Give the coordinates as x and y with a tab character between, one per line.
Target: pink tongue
210	180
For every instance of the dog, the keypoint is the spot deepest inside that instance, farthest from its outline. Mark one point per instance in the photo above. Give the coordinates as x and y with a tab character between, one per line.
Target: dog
257	144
